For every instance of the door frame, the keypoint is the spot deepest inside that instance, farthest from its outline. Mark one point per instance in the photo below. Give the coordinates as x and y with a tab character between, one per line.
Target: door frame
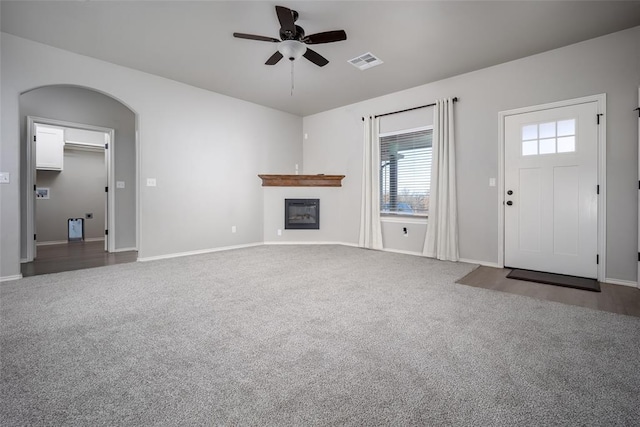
638	109
31	180
601	103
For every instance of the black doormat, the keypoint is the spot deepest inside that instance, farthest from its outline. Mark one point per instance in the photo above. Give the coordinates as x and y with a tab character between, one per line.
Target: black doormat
556	279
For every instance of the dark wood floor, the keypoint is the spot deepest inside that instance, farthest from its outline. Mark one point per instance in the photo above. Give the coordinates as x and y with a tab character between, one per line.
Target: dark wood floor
613	298
74	256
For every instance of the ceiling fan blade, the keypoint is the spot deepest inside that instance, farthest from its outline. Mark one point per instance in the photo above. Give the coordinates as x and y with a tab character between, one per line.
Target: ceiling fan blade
254	37
287	22
326	37
316	58
274	58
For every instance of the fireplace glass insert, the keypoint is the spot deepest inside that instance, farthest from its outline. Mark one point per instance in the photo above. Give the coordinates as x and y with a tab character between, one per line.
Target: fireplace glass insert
302	214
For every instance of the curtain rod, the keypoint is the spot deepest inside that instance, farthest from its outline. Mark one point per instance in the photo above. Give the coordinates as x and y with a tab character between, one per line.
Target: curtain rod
455	99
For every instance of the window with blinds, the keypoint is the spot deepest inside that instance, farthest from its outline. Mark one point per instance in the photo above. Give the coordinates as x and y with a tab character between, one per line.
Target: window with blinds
405	172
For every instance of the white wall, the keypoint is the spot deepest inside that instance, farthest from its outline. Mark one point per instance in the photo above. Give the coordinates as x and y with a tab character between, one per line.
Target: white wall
609	64
204	149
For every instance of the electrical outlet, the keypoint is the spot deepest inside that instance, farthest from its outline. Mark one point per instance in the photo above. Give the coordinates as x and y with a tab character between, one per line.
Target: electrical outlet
233	228
119	184
279	232
151	182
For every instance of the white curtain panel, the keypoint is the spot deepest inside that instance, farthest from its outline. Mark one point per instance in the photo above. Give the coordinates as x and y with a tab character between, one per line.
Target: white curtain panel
370	229
441	241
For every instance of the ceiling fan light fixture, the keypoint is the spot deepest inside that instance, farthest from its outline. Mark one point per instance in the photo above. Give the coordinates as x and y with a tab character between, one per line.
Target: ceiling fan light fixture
292	49
294	41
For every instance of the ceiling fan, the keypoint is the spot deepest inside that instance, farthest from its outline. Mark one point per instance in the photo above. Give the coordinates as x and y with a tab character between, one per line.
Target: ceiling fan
293	41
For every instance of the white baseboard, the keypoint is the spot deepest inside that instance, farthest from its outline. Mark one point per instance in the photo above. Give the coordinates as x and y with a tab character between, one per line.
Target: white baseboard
198	252
227	248
353	245
288	242
621	282
465	260
124	250
400	251
94	239
64	242
485	263
8	278
52	242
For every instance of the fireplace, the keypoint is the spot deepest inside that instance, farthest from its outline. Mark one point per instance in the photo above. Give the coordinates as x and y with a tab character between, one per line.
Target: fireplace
302	214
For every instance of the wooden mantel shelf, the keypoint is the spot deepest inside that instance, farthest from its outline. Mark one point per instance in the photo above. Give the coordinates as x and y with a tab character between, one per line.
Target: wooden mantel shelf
301	180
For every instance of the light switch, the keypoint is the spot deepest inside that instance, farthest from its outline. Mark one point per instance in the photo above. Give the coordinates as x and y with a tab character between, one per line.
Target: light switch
151	182
119	184
492	182
5	178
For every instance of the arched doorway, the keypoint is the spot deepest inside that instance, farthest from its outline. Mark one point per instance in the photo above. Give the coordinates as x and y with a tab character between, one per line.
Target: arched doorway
78	110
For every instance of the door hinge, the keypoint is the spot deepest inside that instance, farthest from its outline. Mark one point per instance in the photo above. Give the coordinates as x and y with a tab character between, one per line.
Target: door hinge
598	189
34	237
638	110
34	138
106	189
34	187
106	146
597	259
106	232
598	117
638	256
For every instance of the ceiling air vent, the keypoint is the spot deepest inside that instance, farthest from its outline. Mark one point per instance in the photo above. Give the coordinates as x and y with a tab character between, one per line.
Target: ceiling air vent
365	61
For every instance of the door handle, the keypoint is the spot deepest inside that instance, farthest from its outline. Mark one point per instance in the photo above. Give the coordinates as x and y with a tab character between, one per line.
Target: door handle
509	203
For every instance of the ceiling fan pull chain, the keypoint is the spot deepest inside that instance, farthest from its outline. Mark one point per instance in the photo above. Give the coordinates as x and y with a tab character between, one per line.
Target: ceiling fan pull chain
292	77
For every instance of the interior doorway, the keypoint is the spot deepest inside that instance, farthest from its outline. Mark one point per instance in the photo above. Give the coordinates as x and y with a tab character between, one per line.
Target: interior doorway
552	188
79	191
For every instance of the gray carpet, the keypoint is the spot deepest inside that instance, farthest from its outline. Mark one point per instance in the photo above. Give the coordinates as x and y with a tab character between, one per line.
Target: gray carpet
306	335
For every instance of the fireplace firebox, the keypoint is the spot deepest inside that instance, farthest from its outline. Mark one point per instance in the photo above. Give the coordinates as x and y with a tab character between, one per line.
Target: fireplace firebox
302	214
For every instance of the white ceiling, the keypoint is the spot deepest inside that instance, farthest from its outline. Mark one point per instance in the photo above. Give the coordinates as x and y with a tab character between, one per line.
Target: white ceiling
419	41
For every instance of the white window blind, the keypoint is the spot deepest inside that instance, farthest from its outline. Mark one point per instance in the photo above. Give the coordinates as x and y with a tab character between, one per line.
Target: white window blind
405	172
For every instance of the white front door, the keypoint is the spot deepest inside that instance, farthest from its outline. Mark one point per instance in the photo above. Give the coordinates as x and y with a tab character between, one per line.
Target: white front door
551	190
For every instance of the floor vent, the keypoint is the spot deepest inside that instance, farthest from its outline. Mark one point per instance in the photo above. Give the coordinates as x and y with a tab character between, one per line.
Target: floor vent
365	61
